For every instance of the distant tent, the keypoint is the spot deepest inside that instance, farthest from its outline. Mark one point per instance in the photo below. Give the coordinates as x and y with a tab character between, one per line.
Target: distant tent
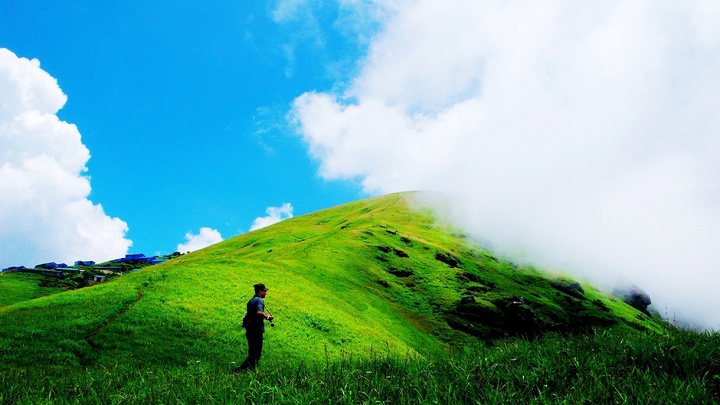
140	258
84	263
131	258
153	260
14	268
50	265
157	261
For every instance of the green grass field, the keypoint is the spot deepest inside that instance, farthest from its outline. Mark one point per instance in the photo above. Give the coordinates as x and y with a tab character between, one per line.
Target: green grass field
370	283
16	287
612	366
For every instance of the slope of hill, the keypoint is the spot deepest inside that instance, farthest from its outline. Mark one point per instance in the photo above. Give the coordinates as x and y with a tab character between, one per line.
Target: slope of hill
17	287
373	275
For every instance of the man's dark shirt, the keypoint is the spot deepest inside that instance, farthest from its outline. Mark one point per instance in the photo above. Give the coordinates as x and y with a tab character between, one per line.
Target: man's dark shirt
256	322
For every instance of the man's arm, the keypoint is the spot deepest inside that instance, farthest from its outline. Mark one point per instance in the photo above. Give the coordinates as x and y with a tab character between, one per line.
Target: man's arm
261	310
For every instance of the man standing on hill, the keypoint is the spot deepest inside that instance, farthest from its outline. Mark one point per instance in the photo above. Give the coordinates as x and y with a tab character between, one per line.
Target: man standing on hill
254	324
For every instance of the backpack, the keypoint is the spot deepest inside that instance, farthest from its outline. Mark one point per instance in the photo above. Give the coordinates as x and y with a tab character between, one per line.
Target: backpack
249	319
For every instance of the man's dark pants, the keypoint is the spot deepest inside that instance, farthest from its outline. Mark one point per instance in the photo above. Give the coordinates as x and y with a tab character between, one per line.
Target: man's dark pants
255	344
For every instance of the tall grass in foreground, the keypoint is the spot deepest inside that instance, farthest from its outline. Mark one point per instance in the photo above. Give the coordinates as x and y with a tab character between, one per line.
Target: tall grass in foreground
612	366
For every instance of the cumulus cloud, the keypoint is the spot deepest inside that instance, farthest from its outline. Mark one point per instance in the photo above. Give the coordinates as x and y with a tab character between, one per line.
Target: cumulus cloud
205	238
584	136
274	215
44	211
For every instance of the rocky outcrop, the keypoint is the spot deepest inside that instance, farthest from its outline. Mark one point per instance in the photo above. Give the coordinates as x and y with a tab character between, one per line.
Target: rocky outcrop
517	316
511	316
448	259
636	297
569	287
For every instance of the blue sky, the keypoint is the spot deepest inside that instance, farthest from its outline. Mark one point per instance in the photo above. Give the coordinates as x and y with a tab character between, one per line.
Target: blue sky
183	106
579	136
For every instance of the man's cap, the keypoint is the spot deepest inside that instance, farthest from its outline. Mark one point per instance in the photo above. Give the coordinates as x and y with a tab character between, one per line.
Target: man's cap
260	287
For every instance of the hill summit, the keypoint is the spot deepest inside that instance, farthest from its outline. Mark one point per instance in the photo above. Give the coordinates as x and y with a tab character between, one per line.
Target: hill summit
376	274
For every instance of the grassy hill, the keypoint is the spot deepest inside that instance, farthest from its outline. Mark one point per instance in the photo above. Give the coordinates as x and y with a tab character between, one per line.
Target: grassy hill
374	302
369	275
18	287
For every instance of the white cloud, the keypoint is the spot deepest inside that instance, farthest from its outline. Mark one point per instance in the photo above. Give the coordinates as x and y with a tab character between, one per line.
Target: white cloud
584	135
275	215
205	238
44	211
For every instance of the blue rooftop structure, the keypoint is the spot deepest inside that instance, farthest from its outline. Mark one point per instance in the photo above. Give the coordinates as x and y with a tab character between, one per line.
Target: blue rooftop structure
12	268
132	257
157	261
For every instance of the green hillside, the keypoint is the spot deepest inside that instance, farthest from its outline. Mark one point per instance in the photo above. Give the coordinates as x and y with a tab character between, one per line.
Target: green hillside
374	302
17	287
373	275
